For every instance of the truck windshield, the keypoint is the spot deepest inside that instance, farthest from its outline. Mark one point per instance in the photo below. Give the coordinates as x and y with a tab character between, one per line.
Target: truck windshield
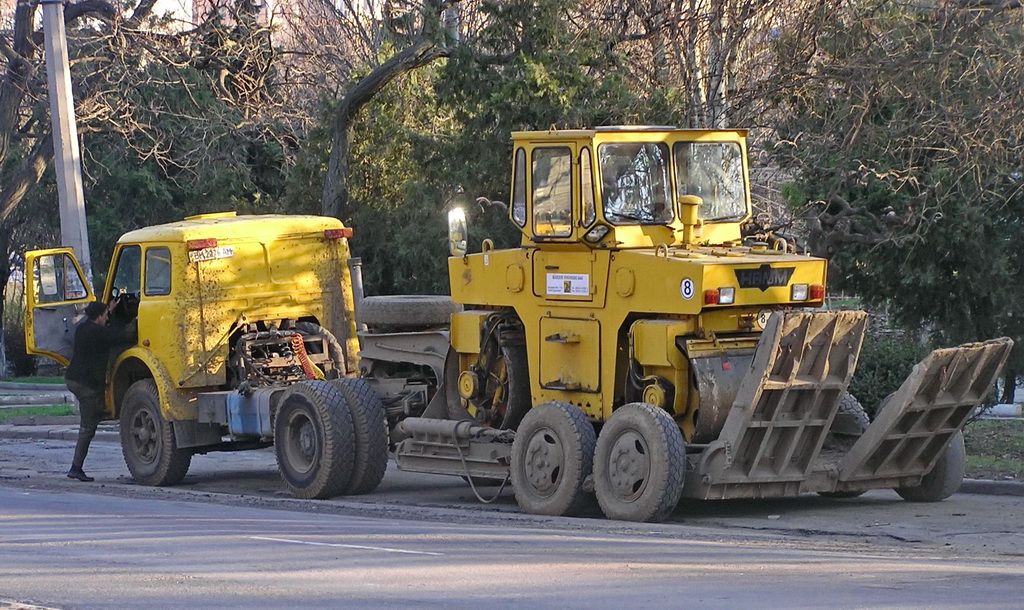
712	171
635	183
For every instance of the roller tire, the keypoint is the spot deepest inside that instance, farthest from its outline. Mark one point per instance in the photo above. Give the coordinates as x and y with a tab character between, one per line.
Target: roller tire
407	311
147	439
314	440
849	405
945	478
552	456
370	429
639	464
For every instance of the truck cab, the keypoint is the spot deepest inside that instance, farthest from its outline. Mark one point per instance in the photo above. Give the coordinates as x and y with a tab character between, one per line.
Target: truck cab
230	310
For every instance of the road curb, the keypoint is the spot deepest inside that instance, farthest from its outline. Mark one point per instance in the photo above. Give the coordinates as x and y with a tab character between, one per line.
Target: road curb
992	488
14	385
61	433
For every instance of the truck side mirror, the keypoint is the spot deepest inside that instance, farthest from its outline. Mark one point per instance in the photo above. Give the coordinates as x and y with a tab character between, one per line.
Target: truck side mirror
458	231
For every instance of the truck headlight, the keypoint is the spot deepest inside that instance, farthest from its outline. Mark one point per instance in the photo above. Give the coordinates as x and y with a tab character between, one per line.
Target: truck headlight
798	292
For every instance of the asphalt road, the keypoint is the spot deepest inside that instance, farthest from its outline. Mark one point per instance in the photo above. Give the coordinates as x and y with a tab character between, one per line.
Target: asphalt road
73	550
231	536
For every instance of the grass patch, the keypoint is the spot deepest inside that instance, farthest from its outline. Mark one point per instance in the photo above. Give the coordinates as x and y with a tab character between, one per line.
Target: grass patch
37	411
995	449
38	379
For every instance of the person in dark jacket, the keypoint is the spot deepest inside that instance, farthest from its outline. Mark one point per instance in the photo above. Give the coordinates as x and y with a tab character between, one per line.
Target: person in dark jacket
86	376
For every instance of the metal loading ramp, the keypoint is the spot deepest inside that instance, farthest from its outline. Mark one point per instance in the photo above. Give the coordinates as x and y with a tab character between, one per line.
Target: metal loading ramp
914	425
784	407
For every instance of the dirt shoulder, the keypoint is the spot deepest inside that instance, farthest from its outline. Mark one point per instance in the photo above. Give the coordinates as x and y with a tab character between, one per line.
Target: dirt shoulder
995	449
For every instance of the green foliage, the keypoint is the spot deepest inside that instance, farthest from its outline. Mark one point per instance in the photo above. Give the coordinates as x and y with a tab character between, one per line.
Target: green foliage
995	449
439	137
13	325
908	152
48	380
886	359
531	68
7	415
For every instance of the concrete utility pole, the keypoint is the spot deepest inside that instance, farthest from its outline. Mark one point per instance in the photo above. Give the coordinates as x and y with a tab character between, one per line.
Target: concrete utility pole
66	155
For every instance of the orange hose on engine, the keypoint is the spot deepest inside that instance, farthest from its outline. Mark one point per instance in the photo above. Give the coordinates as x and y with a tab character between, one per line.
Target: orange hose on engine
308	368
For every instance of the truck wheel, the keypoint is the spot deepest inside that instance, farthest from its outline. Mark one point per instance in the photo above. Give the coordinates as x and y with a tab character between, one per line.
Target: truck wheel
552	455
639	464
407	311
313	440
371	435
147	440
945	478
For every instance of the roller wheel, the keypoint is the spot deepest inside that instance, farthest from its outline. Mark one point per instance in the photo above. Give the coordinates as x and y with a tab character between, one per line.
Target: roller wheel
147	440
945	478
639	464
407	311
854	413
856	422
371	435
314	440
552	456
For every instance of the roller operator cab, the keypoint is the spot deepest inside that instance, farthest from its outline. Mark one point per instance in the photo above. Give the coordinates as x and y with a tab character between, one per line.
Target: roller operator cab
633	279
245	334
641	348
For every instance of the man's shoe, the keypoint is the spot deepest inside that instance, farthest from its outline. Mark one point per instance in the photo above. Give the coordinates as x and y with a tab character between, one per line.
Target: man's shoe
80	475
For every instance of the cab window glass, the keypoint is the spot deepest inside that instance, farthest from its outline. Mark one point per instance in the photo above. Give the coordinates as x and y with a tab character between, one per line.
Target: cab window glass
158	271
587	189
635	183
712	171
519	189
57	279
128	274
552	191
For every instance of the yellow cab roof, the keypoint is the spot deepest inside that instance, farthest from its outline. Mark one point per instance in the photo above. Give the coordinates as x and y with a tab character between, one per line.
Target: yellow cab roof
620	133
228	225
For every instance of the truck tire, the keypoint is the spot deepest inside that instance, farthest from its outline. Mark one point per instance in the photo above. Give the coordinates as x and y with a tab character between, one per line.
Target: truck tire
407	311
314	440
147	439
945	478
639	464
552	456
370	429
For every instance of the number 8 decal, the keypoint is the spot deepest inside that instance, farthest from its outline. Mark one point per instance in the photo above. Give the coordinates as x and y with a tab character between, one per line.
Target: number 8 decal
686	289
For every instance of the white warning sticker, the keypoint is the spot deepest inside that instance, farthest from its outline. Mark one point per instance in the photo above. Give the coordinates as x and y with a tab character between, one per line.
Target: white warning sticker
568	284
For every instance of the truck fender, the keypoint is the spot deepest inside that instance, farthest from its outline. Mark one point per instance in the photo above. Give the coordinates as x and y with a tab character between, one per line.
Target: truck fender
137	363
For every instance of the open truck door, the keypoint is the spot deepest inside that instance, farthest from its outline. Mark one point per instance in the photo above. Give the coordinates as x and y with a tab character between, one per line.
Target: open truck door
56	294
